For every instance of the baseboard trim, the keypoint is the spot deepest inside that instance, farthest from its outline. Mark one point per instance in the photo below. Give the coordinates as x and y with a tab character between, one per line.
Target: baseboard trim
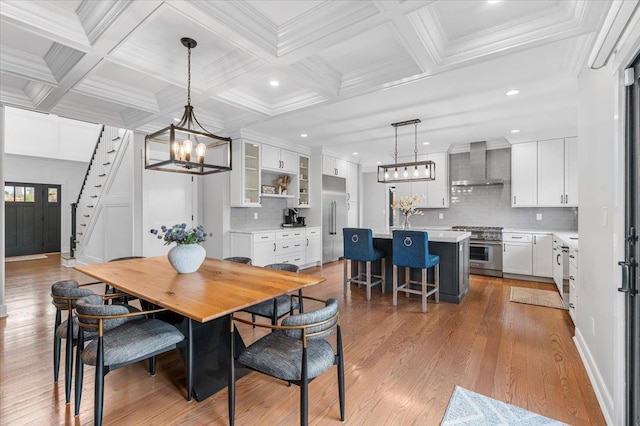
602	394
528	278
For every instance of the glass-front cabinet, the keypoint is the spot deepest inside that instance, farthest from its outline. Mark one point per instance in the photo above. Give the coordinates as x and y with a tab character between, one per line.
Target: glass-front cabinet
303	181
245	175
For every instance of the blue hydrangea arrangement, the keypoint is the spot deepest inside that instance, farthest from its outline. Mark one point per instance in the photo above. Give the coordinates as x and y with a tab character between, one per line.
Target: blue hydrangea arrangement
179	234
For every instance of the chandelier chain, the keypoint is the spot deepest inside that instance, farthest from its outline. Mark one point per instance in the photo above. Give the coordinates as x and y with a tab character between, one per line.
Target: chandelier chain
189	76
415	146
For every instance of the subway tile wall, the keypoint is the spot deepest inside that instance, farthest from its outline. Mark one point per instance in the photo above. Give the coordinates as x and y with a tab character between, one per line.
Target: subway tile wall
270	215
491	205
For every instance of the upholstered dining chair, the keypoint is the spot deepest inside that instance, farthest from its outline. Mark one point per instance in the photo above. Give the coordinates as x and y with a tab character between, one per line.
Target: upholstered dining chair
123	338
239	259
411	250
296	351
358	247
280	306
64	296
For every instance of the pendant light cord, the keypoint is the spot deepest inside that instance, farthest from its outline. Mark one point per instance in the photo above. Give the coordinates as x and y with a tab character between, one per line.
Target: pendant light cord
396	151
415	146
189	76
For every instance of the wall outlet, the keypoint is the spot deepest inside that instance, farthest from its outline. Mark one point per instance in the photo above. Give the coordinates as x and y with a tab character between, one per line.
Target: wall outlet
538	216
255	216
593	327
441	216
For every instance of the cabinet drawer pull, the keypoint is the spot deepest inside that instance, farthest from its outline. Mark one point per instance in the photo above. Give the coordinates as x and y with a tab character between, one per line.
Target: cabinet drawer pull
572	306
572	256
571	278
274	246
566	199
535	240
516	238
265	237
284	247
561	199
443	201
297	259
514	200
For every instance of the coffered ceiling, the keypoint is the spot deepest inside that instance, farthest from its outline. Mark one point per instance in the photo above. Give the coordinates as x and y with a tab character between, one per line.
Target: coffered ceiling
346	69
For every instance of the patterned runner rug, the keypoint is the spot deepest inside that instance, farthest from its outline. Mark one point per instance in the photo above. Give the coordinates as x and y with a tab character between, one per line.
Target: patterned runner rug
534	296
470	408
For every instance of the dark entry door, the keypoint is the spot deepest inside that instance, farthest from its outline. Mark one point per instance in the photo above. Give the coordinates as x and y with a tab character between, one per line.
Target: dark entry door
32	218
630	275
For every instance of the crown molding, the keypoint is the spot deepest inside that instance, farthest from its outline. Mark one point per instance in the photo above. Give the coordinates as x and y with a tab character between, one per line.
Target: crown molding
77	112
61	59
37	91
577	56
113	91
24	65
247	102
404	32
365	79
15	98
237	22
50	20
98	16
225	73
299	100
130	116
320	75
324	26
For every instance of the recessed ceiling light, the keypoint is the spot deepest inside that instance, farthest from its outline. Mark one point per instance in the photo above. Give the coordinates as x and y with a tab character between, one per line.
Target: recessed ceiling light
513	92
378	162
274	83
493	1
426	143
354	153
515	131
303	135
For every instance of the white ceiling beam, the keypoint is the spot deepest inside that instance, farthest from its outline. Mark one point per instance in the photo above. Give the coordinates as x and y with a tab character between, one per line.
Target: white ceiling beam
319	75
14	97
51	20
230	70
26	66
113	91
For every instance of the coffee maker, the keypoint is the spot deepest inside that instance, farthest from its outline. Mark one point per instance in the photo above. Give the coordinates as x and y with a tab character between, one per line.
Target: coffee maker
291	217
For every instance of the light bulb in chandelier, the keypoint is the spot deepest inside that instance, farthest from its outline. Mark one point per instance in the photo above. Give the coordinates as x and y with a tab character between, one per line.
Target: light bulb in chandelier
415	171
386	173
427	172
405	174
200	150
187	146
395	174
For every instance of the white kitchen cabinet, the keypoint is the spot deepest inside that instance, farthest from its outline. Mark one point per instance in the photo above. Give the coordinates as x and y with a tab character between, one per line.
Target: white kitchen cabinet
517	253
278	159
291	246
573	283
352	181
524	174
438	189
303	181
334	166
352	214
542	255
260	247
551	173
313	252
571	172
245	179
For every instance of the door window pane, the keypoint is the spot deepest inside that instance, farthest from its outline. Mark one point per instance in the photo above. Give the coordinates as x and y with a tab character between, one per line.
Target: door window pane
52	195
9	193
29	194
19	193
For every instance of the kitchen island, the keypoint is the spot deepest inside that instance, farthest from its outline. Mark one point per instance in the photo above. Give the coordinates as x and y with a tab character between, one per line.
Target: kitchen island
453	249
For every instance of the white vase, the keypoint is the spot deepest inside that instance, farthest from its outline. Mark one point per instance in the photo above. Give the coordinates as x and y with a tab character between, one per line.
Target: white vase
406	224
186	258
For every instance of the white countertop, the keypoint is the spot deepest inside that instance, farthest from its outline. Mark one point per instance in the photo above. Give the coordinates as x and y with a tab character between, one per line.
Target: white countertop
540	231
435	235
269	229
569	238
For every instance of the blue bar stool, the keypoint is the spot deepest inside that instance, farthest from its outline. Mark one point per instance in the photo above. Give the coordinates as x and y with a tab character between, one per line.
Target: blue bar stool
411	250
358	246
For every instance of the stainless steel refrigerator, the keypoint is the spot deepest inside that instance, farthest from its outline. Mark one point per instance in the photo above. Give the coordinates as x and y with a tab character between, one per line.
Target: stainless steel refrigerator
334	217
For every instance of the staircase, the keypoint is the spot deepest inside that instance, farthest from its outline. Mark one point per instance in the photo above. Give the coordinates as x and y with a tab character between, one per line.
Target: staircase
104	163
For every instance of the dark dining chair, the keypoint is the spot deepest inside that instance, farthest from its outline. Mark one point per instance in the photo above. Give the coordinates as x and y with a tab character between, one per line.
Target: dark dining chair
239	259
296	351
123	338
280	306
64	295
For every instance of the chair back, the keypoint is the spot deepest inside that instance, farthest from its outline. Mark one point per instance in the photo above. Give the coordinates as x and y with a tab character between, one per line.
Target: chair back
411	249
358	244
238	259
118	259
65	294
284	267
93	306
325	318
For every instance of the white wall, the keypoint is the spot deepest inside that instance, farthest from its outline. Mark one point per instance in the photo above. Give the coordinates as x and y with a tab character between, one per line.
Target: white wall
3	306
214	200
68	174
373	199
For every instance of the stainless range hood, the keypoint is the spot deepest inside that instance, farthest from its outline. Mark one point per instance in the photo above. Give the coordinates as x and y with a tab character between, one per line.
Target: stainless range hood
478	166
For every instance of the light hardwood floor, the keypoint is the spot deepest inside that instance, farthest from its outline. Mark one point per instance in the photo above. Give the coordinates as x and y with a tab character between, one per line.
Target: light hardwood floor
401	365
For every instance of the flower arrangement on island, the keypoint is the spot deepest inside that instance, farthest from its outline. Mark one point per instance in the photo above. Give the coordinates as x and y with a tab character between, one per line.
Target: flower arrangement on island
407	205
179	234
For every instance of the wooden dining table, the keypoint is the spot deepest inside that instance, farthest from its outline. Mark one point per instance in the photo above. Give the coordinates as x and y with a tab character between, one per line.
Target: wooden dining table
204	300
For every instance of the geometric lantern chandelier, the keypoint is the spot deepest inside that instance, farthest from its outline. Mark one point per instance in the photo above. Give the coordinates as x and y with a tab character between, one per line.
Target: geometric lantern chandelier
407	172
183	148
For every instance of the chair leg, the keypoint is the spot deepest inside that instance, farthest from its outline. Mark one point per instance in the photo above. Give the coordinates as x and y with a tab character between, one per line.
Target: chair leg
56	346
301	304
345	277
395	285
369	280
383	272
79	373
232	377
274	313
253	319
340	373
68	358
407	277
152	365
99	385
304	391
424	290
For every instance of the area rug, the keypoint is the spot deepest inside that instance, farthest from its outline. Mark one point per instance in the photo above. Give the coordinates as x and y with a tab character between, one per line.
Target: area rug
470	408
27	257
534	296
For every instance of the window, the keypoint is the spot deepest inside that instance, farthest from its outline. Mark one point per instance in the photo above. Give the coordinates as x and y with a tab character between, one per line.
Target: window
29	194
19	193
9	193
52	195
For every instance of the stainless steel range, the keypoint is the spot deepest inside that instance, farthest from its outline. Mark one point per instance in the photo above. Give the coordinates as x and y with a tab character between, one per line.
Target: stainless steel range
485	249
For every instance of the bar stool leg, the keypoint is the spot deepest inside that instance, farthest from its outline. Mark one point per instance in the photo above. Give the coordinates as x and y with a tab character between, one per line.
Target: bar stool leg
437	280
424	290
346	279
382	267
368	280
395	285
407	278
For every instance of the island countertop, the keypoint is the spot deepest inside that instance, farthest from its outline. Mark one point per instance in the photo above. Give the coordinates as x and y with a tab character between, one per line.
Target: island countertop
435	235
